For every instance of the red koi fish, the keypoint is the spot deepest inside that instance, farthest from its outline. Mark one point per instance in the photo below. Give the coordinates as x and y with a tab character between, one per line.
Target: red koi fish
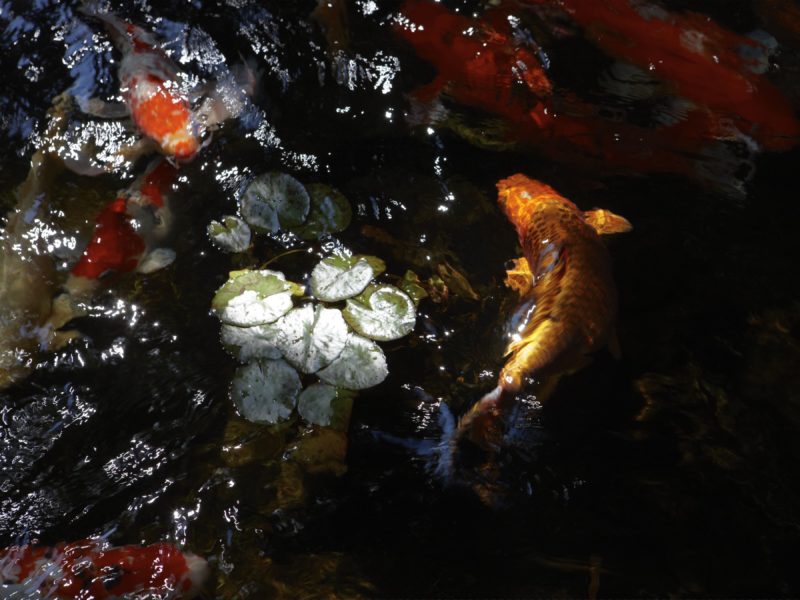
702	61
569	300
129	226
480	64
84	570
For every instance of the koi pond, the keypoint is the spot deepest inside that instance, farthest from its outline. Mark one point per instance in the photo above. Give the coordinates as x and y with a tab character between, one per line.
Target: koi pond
254	282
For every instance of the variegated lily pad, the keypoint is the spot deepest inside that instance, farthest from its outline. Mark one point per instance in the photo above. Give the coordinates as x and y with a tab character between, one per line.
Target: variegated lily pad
232	235
341	277
251	298
315	403
312	338
265	391
330	212
361	365
248	343
382	312
274	201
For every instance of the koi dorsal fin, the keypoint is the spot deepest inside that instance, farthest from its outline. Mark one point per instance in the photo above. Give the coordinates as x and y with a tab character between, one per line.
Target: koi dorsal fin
605	222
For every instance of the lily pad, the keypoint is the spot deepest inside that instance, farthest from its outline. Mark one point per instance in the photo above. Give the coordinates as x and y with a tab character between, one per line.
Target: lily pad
361	365
341	277
330	212
382	312
412	286
248	343
265	391
253	298
315	403
312	338
232	235
275	201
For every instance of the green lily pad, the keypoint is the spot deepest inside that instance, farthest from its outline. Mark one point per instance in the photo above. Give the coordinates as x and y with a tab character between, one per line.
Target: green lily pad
274	201
361	365
232	235
253	298
312	338
265	391
330	212
249	343
382	312
315	403
412	286
341	277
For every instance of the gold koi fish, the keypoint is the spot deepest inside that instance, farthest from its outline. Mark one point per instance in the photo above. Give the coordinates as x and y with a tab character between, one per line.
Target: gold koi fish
569	300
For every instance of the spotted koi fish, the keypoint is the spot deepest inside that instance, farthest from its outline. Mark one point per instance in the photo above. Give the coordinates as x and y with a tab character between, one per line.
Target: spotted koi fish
157	97
88	571
129	226
569	300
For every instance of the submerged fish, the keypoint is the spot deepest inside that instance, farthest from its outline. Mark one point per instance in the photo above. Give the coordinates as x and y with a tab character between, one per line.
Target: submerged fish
569	304
486	64
702	61
127	236
156	95
87	570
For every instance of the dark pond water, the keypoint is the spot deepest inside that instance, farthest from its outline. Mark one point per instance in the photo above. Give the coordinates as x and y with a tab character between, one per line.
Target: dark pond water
670	472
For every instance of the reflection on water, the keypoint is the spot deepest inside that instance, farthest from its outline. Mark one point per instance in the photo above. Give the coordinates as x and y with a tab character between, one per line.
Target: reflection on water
631	476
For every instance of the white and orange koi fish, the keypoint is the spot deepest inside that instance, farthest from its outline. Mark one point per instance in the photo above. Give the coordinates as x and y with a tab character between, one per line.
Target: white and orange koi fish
158	98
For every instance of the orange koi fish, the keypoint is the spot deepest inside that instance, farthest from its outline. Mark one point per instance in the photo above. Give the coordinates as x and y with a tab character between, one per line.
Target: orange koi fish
86	570
157	98
569	303
702	61
480	64
151	87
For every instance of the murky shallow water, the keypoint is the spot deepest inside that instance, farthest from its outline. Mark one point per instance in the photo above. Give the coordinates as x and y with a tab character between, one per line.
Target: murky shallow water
669	472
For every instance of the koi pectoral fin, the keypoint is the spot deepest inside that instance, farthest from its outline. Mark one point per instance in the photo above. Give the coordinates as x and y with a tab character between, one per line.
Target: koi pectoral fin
155	260
605	222
519	277
104	110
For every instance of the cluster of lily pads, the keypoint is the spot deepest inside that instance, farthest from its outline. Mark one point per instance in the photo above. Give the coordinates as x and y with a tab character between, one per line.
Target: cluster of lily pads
274	202
286	339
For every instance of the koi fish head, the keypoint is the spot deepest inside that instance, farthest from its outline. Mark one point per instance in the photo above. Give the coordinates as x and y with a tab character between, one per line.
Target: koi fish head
520	197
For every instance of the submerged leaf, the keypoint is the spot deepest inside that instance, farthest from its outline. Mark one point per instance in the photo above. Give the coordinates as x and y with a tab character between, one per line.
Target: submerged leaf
265	391
253	298
315	403
361	365
412	286
382	312
232	235
248	343
310	339
340	277
274	201
330	212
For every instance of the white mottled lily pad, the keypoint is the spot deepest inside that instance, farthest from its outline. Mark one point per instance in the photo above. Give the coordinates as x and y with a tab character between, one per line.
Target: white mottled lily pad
251	298
382	312
361	365
315	403
341	277
232	235
274	201
312	338
265	391
330	212
248	343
